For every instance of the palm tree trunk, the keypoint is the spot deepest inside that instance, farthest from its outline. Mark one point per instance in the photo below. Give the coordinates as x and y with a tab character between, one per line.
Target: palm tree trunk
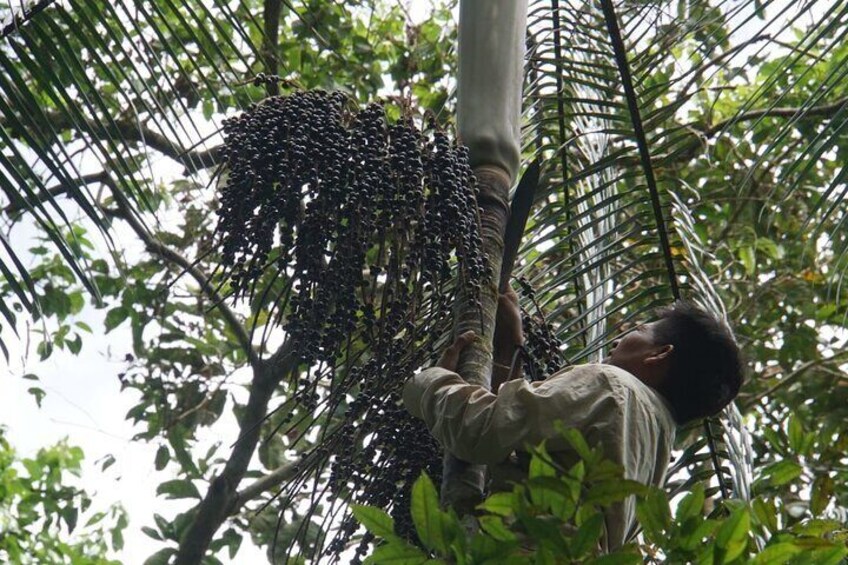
491	70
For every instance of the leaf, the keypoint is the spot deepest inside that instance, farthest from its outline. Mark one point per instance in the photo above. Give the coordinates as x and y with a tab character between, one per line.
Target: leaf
38	393
163	455
588	535
178	488
654	515
107	461
495	527
375	520
795	434
618	559
608	492
540	465
782	472
822	490
161	557
576	439
732	536
829	556
500	503
484	548
152	533
428	518
765	514
394	553
115	317
692	504
776	554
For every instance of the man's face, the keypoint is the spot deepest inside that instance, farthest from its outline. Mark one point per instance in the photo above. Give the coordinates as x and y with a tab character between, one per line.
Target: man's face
631	350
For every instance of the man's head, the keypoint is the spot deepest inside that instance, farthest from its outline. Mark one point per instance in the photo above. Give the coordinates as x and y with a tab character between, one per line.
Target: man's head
688	356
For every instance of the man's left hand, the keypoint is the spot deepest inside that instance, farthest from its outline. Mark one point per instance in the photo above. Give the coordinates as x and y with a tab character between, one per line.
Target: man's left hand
450	358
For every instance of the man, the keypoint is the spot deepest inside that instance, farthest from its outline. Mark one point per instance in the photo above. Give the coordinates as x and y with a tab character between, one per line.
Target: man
682	367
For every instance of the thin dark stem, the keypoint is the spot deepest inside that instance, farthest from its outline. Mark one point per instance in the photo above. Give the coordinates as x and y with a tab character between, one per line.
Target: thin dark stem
641	139
270	42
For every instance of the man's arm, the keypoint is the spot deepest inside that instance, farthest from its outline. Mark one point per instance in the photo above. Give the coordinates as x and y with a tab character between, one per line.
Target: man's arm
468	420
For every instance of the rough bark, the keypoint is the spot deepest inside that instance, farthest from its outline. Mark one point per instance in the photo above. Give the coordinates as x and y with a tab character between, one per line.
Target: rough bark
223	495
462	482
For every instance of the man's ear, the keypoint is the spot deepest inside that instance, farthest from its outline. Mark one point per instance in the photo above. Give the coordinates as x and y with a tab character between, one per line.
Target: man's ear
661	353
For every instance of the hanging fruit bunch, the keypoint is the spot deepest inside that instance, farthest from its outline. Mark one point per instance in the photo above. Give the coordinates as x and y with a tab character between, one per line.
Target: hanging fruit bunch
356	235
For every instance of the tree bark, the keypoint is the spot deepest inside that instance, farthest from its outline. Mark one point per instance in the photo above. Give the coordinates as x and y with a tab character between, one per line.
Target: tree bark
490	81
463	482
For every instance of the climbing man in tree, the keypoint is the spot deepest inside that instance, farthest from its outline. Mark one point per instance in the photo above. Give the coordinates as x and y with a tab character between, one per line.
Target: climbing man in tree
662	374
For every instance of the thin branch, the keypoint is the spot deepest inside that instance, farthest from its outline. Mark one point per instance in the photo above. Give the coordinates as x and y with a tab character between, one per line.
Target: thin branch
53	191
800	112
272	480
126	130
789	379
168	254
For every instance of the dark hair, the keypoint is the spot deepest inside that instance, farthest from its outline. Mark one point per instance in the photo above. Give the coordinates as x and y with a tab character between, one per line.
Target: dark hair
706	366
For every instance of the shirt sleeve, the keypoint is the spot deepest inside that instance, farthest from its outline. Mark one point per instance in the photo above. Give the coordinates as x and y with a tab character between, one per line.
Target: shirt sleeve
480	427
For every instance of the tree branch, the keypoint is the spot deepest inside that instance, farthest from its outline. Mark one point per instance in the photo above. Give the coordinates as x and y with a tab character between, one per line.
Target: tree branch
53	191
800	112
789	379
192	160
168	254
266	483
222	496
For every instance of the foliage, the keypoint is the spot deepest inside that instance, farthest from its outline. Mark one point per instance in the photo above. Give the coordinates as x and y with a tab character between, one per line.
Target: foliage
556	515
41	513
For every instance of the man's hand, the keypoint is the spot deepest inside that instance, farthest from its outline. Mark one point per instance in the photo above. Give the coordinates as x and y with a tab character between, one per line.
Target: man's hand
450	358
508	332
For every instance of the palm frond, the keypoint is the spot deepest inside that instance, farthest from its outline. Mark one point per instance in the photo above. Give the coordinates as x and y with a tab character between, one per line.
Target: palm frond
80	90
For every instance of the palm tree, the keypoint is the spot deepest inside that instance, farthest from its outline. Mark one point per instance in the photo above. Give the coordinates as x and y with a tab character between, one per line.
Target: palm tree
95	95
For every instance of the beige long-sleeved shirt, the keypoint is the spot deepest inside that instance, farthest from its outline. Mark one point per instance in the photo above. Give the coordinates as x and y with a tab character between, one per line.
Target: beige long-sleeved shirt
608	405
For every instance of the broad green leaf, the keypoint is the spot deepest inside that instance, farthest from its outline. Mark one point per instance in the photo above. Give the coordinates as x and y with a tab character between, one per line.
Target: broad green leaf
178	488
587	536
485	547
765	514
822	491
782	472
375	520
494	526
618	559
430	522
654	515
500	503
575	438
692	504
776	554
732	536
394	553
828	556
608	492
163	455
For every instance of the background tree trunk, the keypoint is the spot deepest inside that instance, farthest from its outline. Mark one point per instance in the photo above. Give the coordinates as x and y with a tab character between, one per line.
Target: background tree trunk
491	70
